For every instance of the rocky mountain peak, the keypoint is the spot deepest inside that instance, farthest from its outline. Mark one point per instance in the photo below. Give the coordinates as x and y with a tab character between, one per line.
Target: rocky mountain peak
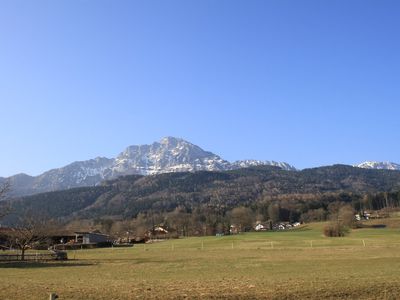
170	154
379	165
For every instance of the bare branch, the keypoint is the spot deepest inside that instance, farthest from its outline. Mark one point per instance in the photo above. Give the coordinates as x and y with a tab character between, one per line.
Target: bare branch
30	231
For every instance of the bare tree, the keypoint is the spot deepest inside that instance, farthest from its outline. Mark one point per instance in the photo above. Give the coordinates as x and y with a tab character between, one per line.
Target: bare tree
242	217
342	219
30	231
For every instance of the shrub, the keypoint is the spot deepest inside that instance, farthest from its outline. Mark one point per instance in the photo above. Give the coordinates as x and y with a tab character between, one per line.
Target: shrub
335	230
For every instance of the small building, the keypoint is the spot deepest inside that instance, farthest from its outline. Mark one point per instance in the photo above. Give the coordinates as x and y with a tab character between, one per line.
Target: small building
233	229
160	230
62	237
366	215
157	233
261	227
94	237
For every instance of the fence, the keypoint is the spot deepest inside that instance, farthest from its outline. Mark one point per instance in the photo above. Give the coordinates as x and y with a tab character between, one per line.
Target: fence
34	257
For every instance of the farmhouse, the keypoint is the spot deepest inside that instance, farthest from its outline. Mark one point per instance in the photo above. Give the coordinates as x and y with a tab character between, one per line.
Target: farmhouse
157	232
261	227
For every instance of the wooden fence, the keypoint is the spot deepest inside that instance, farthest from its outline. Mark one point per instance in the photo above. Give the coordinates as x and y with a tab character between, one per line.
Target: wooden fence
34	257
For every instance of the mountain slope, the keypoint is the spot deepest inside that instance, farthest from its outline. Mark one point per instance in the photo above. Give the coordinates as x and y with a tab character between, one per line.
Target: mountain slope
169	155
129	195
239	164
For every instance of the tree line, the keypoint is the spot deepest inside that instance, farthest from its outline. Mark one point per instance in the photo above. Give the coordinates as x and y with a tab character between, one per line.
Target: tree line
216	217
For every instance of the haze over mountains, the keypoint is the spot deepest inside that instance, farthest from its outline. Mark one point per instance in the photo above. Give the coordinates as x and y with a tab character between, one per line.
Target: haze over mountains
169	155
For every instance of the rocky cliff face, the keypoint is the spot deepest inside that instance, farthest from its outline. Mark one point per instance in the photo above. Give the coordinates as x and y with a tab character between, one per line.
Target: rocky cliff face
168	155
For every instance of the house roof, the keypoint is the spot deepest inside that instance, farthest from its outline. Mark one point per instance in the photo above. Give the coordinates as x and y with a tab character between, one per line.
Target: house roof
159	228
87	232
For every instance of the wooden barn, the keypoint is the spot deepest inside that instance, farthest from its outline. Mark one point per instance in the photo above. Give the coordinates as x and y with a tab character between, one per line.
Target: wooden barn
95	237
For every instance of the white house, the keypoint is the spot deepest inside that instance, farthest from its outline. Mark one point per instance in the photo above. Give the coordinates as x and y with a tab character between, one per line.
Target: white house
260	227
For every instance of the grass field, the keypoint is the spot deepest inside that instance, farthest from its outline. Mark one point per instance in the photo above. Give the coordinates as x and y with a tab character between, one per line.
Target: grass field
297	264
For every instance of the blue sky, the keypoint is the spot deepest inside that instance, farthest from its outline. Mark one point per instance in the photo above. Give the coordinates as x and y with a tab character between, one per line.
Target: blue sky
307	82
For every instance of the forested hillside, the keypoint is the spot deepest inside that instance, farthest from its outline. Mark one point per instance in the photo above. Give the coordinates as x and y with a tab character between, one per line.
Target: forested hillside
296	194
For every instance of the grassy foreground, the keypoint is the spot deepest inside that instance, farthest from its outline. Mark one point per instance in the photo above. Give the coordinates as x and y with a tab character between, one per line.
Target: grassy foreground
298	264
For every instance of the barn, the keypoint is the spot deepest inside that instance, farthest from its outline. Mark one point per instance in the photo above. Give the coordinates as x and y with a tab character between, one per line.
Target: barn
95	237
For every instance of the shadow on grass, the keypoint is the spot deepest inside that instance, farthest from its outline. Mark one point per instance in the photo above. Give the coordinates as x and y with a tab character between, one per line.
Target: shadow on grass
35	265
140	260
303	228
374	226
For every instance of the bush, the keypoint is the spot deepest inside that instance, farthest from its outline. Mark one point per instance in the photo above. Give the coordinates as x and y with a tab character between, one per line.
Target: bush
335	230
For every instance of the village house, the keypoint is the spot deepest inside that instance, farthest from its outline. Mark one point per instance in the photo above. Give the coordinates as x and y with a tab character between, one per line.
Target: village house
234	229
157	233
261	227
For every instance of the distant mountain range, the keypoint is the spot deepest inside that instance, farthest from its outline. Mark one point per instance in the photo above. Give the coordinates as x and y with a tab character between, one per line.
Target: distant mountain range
379	165
169	155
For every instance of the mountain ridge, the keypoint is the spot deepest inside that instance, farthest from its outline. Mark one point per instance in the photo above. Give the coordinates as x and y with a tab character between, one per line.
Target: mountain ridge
386	165
126	196
168	155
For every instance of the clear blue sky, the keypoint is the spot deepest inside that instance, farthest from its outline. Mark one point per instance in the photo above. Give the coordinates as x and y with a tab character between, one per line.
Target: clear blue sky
308	82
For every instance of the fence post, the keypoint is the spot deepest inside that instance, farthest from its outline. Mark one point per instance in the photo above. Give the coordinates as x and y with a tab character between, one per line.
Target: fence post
53	296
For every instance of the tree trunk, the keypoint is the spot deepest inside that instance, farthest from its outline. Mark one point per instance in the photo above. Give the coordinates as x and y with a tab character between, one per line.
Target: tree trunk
23	253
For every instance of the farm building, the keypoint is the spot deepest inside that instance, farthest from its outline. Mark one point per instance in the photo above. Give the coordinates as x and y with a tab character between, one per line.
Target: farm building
94	237
157	233
62	238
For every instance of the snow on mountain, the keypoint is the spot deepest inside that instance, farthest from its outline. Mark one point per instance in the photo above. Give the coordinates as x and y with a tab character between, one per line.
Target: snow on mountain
379	165
168	155
252	163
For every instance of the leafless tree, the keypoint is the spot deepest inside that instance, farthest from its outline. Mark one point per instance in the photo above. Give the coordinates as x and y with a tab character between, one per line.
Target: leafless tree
242	217
29	231
342	219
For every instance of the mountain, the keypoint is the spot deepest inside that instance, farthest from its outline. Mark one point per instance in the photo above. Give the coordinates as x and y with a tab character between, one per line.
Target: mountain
300	191
168	155
239	164
379	165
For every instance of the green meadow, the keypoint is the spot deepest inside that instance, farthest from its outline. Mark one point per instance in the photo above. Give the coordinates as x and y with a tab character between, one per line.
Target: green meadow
294	264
